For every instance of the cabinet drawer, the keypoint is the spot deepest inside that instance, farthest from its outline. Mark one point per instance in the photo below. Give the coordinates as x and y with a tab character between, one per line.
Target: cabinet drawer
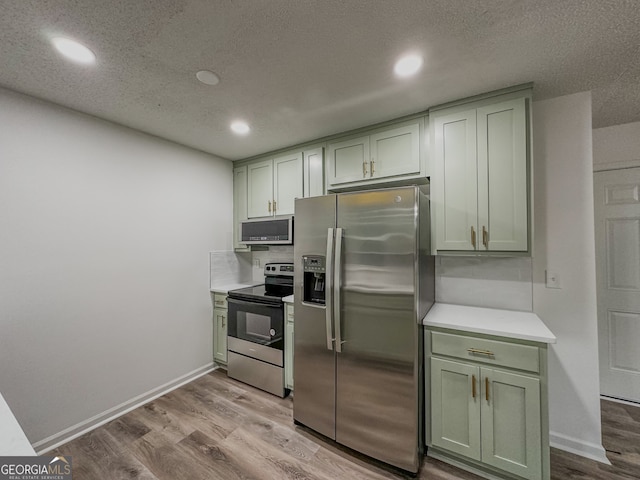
219	300
493	352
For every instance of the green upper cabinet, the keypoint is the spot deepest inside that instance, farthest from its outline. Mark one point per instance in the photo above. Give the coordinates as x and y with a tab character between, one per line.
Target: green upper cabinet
273	185
480	183
313	171
239	204
388	154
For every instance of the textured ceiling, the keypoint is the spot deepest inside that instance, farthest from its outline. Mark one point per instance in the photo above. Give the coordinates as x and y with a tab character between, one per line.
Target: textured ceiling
297	70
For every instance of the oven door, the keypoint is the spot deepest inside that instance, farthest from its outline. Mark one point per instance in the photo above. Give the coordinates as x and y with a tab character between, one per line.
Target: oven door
257	323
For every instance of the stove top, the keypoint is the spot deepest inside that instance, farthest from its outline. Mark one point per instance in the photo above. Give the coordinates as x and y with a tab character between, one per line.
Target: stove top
278	278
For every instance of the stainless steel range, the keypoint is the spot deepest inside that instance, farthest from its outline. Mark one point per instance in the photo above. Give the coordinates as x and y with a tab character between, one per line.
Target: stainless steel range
256	330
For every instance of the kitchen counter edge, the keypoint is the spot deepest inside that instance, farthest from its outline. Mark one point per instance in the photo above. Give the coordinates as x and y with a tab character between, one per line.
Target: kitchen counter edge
489	321
224	288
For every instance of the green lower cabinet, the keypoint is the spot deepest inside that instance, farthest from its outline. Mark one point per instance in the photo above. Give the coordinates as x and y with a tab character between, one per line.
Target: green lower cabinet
220	335
511	423
288	347
455	407
487	415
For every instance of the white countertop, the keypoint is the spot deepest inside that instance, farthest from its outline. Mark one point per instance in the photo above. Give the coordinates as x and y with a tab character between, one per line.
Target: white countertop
490	321
225	287
13	441
288	299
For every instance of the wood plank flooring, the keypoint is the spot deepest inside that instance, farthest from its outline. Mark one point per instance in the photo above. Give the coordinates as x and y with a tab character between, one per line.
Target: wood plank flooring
217	428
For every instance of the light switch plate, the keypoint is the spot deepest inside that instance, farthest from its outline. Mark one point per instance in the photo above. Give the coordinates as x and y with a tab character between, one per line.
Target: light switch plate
552	280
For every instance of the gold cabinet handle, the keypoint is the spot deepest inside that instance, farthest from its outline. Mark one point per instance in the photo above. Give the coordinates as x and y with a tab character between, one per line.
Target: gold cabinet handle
485	237
364	169
486	388
477	351
269	202
473	237
373	166
473	386
274	206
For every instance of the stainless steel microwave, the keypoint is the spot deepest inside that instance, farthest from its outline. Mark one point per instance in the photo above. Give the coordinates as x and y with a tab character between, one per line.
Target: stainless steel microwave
274	231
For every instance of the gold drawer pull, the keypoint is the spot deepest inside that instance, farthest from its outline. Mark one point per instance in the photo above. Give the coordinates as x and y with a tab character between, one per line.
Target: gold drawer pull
476	351
486	388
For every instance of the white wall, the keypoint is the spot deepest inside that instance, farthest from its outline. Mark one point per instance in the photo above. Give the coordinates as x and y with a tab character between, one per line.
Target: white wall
564	243
104	264
617	146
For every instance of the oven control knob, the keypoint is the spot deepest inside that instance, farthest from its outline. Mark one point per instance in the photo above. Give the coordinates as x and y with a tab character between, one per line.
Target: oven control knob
272	332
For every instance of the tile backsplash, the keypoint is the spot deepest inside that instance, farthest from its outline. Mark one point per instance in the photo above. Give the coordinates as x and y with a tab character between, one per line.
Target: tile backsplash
227	267
283	253
494	282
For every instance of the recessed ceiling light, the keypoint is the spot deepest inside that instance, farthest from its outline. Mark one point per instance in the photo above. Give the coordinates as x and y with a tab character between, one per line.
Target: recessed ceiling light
240	127
74	50
408	65
207	77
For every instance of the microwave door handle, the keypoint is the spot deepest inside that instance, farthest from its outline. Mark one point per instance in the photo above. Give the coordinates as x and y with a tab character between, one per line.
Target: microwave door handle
336	288
328	286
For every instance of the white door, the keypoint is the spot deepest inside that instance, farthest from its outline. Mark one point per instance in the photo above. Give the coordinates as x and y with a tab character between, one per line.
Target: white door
617	219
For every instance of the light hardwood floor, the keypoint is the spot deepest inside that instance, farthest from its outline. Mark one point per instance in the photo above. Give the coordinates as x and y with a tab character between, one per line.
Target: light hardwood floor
217	428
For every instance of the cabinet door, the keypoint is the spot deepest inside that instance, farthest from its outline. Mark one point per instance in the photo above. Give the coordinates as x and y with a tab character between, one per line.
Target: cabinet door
502	176
454	186
239	203
395	152
260	189
455	407
287	183
288	348
220	336
511	423
348	161
313	172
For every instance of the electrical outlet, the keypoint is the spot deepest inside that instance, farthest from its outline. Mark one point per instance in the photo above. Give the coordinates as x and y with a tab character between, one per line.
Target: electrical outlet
256	262
552	280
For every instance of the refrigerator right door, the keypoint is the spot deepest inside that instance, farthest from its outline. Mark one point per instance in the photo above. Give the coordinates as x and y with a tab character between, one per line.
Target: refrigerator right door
377	399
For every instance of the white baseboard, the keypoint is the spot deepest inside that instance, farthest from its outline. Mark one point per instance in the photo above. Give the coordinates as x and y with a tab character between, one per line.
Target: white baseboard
594	451
94	422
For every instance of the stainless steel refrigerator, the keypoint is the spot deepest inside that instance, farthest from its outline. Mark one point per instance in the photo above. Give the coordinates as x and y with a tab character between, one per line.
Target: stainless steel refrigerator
364	279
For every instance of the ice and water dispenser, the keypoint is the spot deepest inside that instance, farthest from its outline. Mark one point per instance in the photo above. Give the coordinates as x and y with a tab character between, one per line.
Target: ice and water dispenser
314	279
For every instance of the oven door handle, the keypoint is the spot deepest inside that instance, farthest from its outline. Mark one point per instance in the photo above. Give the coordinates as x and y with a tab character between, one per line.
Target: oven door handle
247	303
329	288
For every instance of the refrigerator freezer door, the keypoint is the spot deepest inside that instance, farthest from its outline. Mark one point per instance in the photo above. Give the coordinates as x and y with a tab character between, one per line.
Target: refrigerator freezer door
314	365
377	371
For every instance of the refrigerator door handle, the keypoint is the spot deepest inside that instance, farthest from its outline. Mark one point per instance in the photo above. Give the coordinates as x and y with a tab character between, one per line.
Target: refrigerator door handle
337	266
329	288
